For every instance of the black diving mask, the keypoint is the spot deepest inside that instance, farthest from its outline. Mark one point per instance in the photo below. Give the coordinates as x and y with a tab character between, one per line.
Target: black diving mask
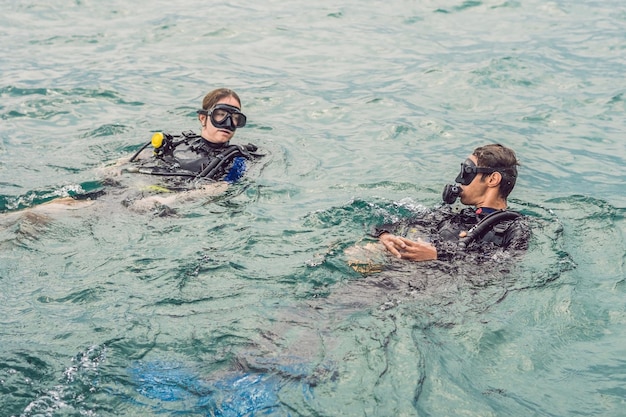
225	116
469	170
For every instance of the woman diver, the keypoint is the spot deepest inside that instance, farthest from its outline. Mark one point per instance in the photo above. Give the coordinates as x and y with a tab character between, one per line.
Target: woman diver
208	155
192	166
208	159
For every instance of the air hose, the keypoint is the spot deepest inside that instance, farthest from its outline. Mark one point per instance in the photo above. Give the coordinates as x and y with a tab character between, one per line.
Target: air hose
486	224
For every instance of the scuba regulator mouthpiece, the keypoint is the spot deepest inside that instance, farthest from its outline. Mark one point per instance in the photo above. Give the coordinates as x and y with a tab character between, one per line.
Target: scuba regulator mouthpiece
451	192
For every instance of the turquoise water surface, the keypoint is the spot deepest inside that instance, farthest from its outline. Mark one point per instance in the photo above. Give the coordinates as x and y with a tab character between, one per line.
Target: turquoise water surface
242	303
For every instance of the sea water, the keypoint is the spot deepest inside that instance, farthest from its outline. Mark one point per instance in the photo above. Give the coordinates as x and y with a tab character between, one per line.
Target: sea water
243	303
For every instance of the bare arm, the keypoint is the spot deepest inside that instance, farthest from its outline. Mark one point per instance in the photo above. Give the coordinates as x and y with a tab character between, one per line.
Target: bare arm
404	248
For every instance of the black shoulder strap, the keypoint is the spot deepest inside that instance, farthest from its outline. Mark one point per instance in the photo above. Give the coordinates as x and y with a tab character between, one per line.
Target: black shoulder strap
224	157
486	224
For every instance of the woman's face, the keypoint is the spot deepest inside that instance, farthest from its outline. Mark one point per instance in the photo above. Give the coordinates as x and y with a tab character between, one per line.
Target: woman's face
212	133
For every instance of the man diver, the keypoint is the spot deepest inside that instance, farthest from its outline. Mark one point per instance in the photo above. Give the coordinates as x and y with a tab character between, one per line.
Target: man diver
486	179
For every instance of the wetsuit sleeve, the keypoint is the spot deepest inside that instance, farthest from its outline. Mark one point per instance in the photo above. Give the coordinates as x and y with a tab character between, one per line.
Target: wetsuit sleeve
517	236
446	250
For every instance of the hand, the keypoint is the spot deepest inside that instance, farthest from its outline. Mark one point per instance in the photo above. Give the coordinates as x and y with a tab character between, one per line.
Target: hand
403	248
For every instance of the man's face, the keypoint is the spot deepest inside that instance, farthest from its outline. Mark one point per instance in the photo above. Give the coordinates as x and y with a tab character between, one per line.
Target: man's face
474	192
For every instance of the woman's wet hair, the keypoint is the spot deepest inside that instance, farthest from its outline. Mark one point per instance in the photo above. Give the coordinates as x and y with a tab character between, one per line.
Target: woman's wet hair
212	98
502	158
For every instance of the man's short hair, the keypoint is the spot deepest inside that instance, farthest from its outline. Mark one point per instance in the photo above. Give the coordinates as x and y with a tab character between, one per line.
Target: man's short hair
504	160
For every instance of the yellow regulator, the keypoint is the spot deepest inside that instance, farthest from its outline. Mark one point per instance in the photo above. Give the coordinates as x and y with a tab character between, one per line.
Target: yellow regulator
157	140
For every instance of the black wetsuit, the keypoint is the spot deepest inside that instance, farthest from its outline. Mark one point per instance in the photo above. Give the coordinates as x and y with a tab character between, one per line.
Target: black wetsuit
442	228
196	157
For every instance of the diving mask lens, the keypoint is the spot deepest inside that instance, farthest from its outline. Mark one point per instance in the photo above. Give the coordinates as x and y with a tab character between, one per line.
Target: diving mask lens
226	116
468	172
